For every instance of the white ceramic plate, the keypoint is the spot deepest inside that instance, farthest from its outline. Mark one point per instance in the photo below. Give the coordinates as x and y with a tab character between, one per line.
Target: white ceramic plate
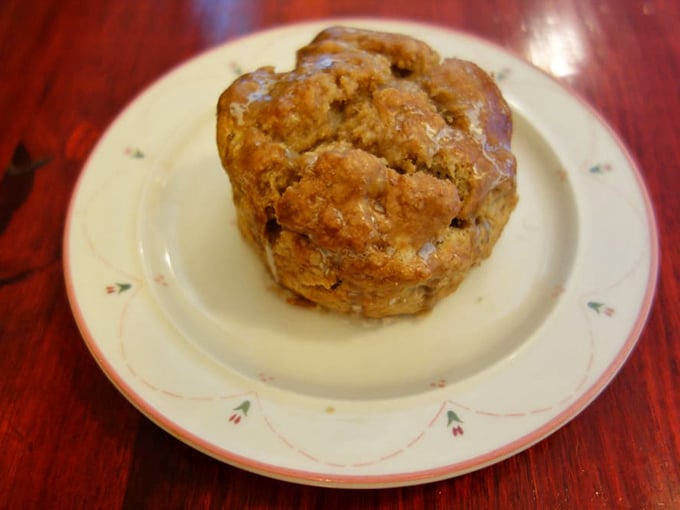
183	319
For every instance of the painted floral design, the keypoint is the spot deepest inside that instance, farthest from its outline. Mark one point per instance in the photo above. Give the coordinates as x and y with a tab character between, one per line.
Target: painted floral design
265	378
133	152
235	68
600	168
502	74
557	291
454	421
240	412
118	288
160	280
601	308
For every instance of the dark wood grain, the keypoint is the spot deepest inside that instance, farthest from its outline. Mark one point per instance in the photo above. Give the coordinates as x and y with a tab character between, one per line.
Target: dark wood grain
68	439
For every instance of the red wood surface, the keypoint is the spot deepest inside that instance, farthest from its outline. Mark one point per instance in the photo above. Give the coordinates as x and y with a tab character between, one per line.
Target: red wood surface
68	439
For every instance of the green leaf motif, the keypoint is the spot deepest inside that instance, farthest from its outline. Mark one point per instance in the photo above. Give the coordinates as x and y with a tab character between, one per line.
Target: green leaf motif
243	407
502	74
451	417
600	168
594	305
601	308
236	69
134	152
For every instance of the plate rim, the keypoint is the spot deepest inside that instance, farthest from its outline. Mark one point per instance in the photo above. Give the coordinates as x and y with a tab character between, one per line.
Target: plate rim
320	478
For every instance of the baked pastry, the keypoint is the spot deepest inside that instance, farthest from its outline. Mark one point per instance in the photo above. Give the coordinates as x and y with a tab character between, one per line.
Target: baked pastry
374	175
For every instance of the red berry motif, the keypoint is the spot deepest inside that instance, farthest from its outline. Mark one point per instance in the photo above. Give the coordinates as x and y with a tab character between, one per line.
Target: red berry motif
160	280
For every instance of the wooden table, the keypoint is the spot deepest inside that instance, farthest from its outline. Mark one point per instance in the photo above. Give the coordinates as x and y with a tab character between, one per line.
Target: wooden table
68	439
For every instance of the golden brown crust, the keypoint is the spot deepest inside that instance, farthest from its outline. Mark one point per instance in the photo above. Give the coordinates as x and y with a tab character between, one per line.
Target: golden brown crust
371	177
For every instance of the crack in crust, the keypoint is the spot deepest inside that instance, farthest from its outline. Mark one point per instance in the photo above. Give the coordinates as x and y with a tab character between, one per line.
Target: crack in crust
374	175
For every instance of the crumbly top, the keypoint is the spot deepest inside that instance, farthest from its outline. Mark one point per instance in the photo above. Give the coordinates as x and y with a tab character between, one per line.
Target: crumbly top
372	140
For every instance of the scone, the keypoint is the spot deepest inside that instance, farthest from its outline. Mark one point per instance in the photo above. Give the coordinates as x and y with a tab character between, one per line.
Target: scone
372	177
